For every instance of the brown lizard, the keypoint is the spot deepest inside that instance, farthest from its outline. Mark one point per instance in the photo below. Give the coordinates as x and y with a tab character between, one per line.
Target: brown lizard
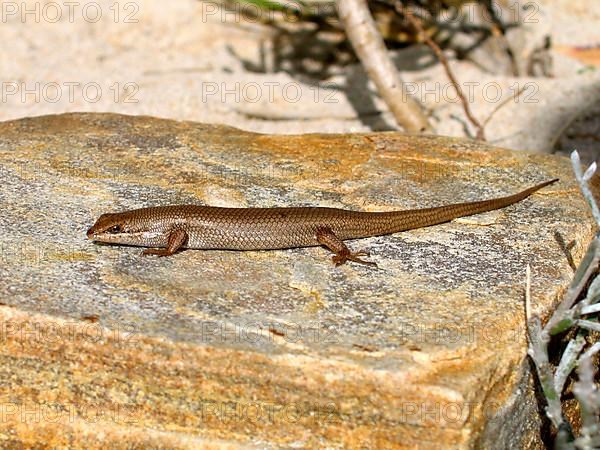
166	229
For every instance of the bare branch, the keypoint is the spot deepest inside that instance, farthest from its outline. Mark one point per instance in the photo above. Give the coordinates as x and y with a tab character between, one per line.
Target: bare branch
442	58
502	104
370	49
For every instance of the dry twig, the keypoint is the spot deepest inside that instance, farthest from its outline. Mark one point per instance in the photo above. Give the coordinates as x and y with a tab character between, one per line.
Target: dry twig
370	49
502	104
442	58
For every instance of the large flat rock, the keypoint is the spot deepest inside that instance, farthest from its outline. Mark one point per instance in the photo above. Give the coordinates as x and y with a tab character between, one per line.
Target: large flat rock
103	347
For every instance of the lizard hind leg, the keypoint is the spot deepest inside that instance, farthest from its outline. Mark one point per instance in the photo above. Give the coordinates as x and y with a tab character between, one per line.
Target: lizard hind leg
325	236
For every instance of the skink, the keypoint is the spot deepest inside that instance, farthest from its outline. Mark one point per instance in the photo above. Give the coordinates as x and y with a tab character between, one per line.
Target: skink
167	229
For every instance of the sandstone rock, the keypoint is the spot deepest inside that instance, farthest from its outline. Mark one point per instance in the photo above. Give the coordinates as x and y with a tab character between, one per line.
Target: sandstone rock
224	349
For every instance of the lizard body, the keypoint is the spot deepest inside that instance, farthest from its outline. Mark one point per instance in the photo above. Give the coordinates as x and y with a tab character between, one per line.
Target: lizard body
167	229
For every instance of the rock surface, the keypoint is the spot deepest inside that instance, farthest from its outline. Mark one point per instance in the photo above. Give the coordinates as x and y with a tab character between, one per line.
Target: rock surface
271	349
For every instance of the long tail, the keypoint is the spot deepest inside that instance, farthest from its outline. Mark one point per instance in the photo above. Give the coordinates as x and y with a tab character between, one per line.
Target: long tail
395	221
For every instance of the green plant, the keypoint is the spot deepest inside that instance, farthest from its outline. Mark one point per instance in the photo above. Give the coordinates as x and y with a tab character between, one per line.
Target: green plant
582	317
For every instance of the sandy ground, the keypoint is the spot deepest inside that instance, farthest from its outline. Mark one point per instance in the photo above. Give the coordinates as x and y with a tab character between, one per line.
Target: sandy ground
185	60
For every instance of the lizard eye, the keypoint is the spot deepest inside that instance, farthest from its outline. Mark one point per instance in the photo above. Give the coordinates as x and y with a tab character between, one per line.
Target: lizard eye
115	229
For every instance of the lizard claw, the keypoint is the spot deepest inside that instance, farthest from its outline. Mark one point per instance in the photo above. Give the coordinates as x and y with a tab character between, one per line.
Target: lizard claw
341	258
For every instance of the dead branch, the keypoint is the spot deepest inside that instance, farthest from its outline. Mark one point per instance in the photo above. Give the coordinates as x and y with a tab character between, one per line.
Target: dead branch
371	51
442	58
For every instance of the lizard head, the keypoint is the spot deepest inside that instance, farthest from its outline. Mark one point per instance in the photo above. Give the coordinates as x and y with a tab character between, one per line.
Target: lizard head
119	228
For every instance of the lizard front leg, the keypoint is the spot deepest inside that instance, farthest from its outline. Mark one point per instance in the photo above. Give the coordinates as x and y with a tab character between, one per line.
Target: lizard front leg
177	239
